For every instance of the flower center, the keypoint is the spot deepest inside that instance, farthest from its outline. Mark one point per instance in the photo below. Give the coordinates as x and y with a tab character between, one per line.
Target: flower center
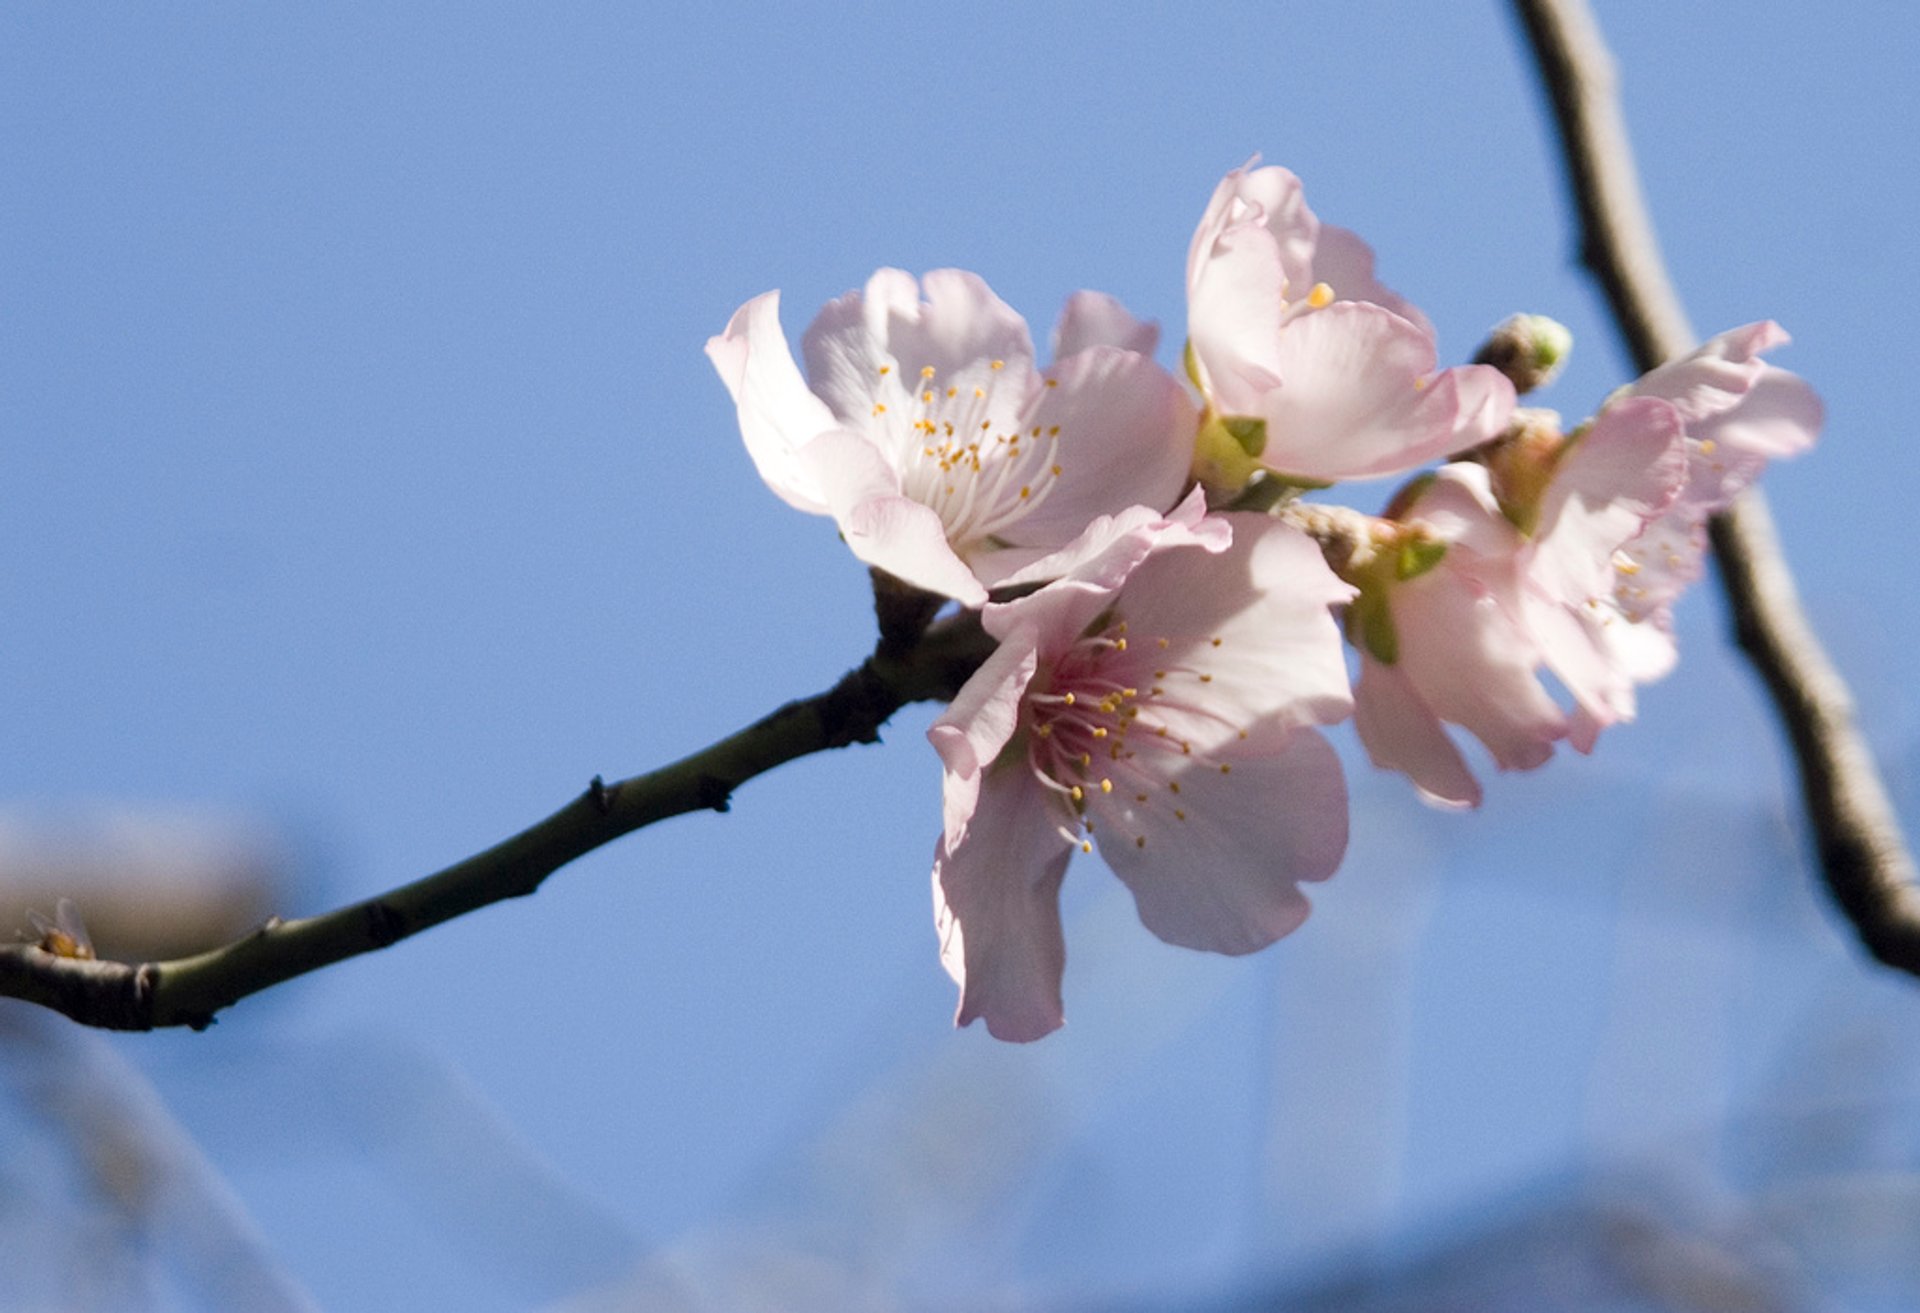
969	450
1111	725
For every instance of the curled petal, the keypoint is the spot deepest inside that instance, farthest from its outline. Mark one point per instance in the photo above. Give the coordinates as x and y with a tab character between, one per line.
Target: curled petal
778	415
996	907
978	724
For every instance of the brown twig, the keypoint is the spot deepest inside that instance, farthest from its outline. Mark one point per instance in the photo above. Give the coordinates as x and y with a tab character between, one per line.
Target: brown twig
189	991
1868	867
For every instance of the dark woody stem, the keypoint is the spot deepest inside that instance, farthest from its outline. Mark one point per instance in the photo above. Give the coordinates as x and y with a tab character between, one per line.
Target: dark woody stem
190	991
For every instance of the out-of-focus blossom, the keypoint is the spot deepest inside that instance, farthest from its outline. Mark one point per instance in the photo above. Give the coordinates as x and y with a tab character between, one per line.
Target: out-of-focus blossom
1441	638
1739	413
1311	369
925	430
1158	702
1499	570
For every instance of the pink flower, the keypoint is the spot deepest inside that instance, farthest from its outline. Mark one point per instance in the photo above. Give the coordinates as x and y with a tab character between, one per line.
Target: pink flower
1456	627
924	429
1158	702
1441	637
1739	413
1318	372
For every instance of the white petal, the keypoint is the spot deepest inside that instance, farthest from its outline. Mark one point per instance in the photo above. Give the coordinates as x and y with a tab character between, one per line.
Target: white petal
1092	319
1402	733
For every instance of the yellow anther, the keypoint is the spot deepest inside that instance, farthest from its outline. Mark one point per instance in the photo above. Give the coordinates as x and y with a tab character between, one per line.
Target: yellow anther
1708	446
998	364
1053	382
1120	644
1086	759
886	369
1043	731
1086	846
1140	841
926	398
1026	492
1054	432
879	408
1179	815
1099	731
1106	786
1320	297
1067	698
1078	794
1206	679
1226	768
1163	643
1174	785
1055	469
1217	642
926	371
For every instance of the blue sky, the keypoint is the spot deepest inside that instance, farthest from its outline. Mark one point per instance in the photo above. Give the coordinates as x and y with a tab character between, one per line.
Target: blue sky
360	473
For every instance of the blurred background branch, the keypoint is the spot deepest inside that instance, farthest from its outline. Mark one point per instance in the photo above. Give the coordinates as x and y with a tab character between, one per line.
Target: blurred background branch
1868	867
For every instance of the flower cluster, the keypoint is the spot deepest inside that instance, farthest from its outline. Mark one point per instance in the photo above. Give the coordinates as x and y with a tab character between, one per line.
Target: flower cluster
1173	602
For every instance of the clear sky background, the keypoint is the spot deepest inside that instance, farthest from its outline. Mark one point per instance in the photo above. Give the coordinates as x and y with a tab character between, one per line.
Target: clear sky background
361	476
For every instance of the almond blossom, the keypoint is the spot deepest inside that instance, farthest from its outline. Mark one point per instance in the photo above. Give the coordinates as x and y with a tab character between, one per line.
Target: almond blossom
924	428
1159	702
1518	579
1311	368
1739	413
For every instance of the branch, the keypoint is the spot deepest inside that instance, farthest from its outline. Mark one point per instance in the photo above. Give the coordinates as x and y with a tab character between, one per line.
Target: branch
189	991
1868	867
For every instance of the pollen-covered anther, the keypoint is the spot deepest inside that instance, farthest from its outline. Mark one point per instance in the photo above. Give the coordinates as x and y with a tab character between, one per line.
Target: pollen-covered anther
1320	297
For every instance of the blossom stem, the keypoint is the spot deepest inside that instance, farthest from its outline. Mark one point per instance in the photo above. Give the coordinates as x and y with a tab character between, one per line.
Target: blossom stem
1864	856
190	991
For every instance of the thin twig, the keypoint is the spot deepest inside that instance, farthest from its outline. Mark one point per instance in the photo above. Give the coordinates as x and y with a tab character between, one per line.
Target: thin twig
189	991
1868	867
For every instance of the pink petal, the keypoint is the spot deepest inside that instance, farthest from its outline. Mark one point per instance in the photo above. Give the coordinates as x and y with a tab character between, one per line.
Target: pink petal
907	540
1622	473
1360	398
1111	546
1400	732
978	724
958	329
1474	666
1713	377
1126	430
1254	619
1095	319
996	907
778	415
1237	280
1779	416
1344	262
1223	878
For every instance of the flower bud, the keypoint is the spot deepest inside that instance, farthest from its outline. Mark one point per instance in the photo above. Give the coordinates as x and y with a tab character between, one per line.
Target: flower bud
1529	349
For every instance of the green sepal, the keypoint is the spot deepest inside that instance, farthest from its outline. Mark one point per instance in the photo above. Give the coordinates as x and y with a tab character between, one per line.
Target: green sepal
1220	457
1191	363
1370	625
1250	431
1417	556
